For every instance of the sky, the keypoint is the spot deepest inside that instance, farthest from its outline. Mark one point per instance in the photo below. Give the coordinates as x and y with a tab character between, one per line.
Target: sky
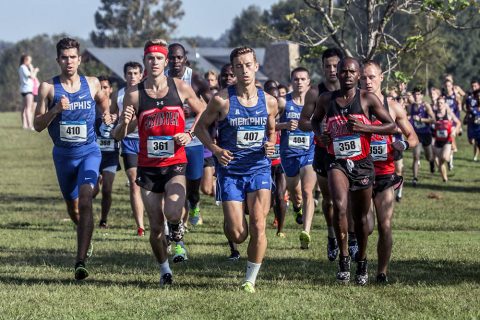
23	19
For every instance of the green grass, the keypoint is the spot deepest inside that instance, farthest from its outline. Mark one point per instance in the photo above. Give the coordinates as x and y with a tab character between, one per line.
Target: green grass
434	272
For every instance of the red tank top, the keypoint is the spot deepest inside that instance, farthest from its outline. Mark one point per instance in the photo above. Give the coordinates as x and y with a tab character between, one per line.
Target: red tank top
276	156
381	149
158	121
443	128
345	143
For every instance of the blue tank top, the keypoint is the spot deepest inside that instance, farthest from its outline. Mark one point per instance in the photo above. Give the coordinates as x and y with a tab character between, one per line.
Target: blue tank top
74	127
418	126
297	142
451	100
243	132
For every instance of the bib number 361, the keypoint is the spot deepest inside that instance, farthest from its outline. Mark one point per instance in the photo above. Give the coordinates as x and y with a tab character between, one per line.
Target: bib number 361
160	147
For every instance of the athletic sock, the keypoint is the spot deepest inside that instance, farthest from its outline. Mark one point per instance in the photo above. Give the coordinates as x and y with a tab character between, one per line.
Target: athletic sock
331	232
399	193
231	245
252	272
164	268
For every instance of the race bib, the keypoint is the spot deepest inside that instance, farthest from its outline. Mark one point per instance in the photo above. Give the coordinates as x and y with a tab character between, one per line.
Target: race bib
106	144
73	131
476	120
378	150
299	140
160	147
250	136
442	134
276	154
347	147
419	124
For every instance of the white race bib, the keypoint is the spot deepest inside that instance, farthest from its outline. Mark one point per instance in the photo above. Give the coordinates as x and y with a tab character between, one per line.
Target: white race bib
73	131
250	136
347	147
378	150
419	124
106	144
300	140
442	133
276	154
160	147
476	120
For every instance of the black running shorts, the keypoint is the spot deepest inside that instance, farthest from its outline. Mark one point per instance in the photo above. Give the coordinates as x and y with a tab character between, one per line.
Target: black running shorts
320	161
383	182
155	179
360	174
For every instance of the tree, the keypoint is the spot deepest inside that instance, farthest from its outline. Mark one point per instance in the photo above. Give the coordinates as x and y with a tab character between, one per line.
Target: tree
129	23
244	30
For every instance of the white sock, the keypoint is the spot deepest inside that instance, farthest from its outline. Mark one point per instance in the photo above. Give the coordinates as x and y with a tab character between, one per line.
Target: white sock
331	232
399	193
164	268
252	272
166	227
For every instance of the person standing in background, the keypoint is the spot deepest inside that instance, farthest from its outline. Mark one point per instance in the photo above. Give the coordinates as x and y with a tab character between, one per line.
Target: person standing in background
27	73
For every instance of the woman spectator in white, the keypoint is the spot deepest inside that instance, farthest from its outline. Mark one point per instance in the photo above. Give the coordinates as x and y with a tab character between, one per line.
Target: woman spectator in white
27	73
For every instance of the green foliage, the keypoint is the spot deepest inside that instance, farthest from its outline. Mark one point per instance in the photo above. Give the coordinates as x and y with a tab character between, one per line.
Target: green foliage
129	23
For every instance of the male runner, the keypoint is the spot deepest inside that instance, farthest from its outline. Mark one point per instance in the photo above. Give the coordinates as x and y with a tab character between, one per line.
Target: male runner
109	149
382	151
296	151
178	68
471	107
157	103
132	72
453	97
246	136
66	105
330	59
350	171
421	117
446	125
227	77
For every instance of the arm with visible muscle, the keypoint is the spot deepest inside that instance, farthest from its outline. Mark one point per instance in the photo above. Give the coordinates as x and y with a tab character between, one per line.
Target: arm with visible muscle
188	95
305	123
272	108
374	104
404	125
128	121
43	115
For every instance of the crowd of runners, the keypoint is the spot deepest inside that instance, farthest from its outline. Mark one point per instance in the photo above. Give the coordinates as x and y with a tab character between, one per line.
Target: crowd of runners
252	146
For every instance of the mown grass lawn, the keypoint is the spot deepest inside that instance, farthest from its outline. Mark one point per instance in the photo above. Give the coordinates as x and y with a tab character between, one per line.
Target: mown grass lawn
434	273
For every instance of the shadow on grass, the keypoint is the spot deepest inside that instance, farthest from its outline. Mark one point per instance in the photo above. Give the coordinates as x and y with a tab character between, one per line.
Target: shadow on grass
446	187
206	268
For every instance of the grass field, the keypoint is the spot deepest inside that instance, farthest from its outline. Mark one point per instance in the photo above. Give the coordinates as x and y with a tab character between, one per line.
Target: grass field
434	272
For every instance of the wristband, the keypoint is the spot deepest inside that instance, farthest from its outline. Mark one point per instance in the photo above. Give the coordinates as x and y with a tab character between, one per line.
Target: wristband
405	144
191	134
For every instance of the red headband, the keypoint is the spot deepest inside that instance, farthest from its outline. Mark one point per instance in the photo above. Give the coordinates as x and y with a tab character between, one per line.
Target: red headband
155	48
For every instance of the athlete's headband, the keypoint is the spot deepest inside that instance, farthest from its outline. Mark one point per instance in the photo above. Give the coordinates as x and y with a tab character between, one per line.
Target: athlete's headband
155	48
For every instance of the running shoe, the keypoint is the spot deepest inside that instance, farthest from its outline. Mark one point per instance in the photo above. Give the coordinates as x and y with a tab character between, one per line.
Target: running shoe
432	166
343	274
353	249
180	254
103	224
332	249
361	275
248	287
176	231
304	240
450	165
81	271
194	216
166	280
414	182
90	250
298	215
398	198
382	278
234	256
140	232
281	235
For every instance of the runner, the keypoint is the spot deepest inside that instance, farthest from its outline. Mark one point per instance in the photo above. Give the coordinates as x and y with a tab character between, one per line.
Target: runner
421	117
382	151
157	103
443	133
351	171
178	68
296	151
66	105
109	149
453	96
471	108
227	77
132	72
330	59
246	136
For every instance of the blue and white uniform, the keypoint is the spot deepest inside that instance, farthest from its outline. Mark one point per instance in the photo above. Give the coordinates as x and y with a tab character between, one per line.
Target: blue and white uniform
130	144
194	149
296	147
75	153
243	133
109	147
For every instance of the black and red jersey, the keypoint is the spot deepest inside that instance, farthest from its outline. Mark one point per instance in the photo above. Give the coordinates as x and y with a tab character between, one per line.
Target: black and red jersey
158	121
381	149
346	144
443	127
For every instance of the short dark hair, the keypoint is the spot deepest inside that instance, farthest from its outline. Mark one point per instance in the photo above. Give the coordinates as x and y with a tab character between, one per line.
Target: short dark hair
133	65
67	43
299	69
225	67
241	51
281	86
104	78
474	80
417	89
269	84
177	45
332	52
